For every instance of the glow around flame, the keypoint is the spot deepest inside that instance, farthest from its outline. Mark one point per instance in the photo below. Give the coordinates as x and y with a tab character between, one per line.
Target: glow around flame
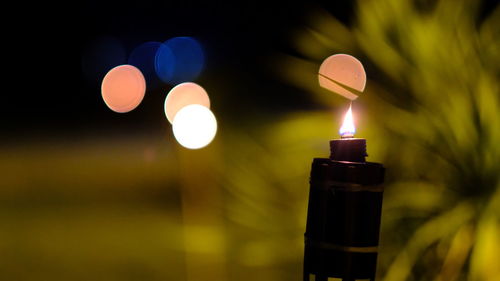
347	130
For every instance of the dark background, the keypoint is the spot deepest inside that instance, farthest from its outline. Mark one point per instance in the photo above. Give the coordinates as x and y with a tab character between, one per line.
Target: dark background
45	57
47	41
238	39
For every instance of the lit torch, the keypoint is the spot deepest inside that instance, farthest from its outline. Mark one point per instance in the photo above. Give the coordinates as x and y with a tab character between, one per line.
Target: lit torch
344	212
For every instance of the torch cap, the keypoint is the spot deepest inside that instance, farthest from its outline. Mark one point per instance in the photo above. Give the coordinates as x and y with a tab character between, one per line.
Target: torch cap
349	149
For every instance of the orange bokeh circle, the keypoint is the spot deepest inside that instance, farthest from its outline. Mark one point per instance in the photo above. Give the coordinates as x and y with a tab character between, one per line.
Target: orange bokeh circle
123	88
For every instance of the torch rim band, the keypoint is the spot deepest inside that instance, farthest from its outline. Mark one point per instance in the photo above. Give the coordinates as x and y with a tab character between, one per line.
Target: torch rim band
345	186
331	246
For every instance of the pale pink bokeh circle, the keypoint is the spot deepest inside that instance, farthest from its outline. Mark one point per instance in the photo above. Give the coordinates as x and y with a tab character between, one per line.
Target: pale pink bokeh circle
183	95
342	74
123	88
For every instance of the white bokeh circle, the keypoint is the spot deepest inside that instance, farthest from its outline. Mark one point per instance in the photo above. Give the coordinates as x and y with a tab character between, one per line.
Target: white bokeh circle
194	126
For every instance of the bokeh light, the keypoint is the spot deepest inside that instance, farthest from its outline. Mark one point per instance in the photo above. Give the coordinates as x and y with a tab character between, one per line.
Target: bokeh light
165	64
194	126
342	74
123	88
179	59
182	95
100	56
143	57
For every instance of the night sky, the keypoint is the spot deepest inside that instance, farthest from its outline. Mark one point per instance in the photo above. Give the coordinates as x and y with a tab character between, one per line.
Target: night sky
52	96
55	97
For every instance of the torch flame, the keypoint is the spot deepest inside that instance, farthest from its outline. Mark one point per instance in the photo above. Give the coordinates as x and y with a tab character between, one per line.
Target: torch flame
347	130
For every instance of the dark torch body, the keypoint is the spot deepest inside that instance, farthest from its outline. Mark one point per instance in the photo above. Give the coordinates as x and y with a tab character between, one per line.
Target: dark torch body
343	217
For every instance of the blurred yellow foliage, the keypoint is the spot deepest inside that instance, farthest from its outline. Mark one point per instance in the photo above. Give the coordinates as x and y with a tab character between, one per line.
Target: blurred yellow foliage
431	115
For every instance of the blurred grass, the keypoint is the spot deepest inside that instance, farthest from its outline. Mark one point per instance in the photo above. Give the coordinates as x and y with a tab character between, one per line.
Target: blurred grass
142	208
89	210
